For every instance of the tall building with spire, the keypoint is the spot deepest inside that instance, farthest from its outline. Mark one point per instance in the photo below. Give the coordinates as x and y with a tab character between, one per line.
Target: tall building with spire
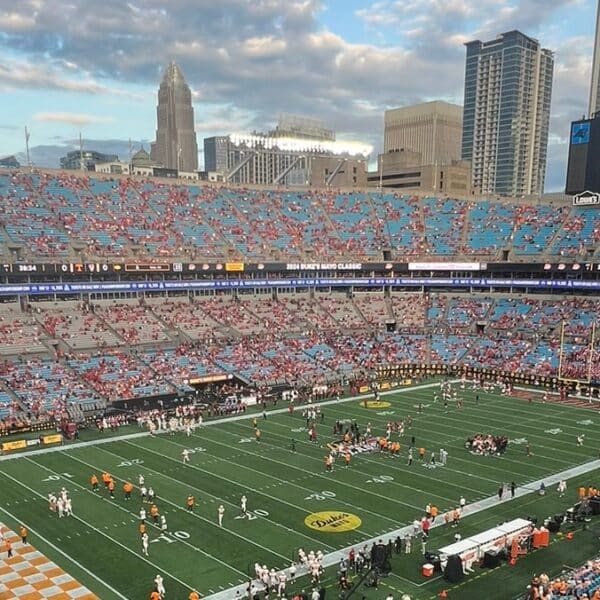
175	146
594	106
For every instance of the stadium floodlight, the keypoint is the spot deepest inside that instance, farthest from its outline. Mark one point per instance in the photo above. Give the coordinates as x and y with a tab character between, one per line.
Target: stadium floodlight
289	144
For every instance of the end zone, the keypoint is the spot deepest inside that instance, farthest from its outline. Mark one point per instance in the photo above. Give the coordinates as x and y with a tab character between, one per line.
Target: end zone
29	574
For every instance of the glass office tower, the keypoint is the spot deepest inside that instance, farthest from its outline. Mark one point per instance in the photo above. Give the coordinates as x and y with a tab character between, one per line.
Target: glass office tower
508	91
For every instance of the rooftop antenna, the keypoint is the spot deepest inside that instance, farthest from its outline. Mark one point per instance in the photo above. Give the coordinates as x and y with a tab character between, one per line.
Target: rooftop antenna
80	151
27	134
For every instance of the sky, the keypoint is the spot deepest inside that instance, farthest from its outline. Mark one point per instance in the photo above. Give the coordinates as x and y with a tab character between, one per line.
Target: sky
71	66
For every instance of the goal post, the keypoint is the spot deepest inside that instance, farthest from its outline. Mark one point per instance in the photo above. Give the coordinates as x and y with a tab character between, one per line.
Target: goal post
591	351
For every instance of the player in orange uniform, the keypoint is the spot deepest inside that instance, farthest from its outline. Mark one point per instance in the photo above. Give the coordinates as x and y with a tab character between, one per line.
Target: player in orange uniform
194	595
106	478
190	503
94	482
111	487
142	528
154	595
154	513
23	533
127	489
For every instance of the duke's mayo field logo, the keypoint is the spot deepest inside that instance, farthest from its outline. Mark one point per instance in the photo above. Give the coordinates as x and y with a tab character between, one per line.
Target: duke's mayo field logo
332	521
376	404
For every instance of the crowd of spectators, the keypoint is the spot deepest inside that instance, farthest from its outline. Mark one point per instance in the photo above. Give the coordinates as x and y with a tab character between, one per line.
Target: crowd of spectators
19	332
136	324
582	583
119	376
140	349
77	325
48	214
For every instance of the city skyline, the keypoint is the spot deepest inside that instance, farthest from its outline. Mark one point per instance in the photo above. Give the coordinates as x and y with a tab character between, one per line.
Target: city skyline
342	62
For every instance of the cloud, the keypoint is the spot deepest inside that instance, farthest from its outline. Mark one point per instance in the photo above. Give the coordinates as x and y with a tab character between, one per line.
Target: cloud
248	61
21	74
70	118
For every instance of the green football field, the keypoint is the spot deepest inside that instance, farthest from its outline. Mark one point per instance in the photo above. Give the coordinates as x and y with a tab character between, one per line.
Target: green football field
101	546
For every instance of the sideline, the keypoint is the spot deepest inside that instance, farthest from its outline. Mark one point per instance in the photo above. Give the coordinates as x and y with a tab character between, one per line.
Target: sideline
334	558
229	419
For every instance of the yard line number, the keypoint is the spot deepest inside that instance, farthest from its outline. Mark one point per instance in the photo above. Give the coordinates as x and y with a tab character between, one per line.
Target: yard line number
324	495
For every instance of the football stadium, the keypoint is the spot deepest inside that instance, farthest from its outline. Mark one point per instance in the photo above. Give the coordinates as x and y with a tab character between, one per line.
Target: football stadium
287	363
191	403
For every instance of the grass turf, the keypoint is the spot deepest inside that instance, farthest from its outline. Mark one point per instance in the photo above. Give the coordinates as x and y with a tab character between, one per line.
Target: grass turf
284	487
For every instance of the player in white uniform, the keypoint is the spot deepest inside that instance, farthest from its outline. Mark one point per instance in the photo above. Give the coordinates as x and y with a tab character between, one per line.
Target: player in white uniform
151	495
142	514
141	480
281	587
244	505
61	508
143	492
163	523
68	508
221	512
64	494
145	543
160	586
186	456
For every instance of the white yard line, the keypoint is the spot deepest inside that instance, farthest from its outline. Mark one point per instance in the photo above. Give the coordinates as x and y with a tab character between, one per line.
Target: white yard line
334	557
133	514
216	499
276	411
154	566
212	523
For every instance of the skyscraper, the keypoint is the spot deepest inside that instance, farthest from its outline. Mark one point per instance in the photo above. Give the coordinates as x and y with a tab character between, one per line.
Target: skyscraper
434	129
508	90
175	146
595	87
